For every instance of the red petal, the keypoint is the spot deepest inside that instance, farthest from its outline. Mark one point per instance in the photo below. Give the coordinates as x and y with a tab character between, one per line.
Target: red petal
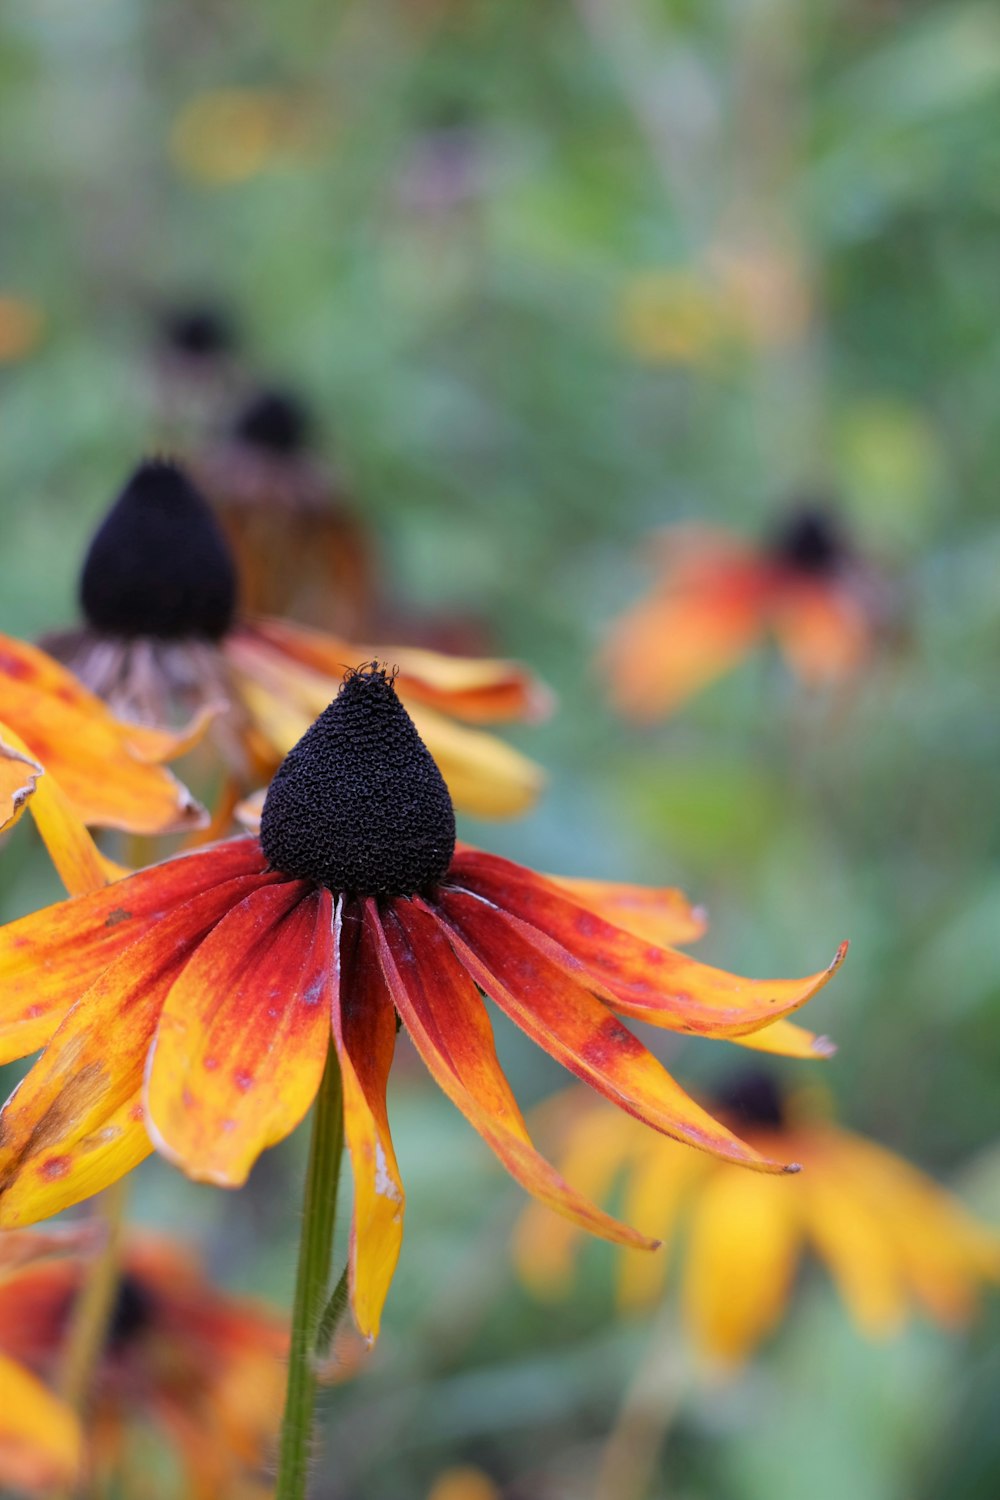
450	1029
364	1027
76	1122
243	1035
47	960
563	1017
646	982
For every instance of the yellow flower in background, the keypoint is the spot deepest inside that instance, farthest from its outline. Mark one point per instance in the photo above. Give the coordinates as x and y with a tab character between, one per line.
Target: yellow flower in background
892	1239
21	325
463	1483
227	136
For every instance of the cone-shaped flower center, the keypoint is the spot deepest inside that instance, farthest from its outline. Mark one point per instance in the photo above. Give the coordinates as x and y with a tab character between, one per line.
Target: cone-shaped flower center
274	421
159	565
202	332
810	540
131	1314
752	1097
359	805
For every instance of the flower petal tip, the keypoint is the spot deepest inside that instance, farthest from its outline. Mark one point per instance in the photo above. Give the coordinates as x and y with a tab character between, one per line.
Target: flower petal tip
792	1168
823	1046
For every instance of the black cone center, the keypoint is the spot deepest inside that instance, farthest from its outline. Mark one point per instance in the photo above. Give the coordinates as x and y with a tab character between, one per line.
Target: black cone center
203	332
810	540
158	565
131	1314
752	1098
274	421
359	805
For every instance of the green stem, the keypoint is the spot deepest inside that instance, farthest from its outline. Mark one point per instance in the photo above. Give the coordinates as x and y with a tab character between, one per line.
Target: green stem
319	1211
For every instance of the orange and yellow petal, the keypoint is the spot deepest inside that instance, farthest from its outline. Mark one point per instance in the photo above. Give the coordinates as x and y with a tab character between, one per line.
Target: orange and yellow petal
364	1028
86	749
701	620
76	1122
663	916
486	777
449	1027
639	979
242	1037
743	1247
50	958
555	1008
41	1445
787	1039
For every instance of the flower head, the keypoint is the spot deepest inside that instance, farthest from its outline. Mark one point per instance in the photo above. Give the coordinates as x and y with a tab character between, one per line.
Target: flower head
193	1004
891	1238
181	1357
162	642
716	596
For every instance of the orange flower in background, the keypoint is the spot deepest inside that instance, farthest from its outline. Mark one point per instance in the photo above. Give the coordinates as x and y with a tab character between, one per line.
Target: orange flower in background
193	1004
300	548
203	1370
892	1239
65	756
717	596
162	640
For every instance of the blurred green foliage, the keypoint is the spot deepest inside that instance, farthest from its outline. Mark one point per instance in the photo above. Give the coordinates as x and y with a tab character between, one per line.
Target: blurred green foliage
436	243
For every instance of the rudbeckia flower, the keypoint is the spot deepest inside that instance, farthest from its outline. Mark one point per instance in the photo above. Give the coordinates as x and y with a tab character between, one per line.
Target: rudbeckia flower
300	549
202	1370
162	639
892	1239
717	596
65	756
194	1003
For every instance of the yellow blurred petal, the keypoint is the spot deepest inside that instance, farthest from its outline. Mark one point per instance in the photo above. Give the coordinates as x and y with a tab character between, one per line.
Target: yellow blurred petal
786	1039
230	135
486	777
743	1248
41	1444
21	325
850	1236
663	916
661	1179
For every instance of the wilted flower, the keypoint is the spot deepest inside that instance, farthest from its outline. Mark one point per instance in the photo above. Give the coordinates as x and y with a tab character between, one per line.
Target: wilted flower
194	1003
891	1238
717	596
162	639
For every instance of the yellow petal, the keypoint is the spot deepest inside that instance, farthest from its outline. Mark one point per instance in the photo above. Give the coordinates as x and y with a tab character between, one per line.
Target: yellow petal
40	1440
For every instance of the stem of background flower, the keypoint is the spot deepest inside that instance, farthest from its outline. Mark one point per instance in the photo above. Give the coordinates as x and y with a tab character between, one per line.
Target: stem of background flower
94	1306
312	1279
636	1441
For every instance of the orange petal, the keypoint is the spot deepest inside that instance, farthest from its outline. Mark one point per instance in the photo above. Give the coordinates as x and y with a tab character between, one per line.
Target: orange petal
555	1009
785	1039
450	1029
41	1445
702	619
364	1028
822	630
646	982
88	751
81	865
48	959
662	916
76	1122
243	1035
480	690
152	743
744	1244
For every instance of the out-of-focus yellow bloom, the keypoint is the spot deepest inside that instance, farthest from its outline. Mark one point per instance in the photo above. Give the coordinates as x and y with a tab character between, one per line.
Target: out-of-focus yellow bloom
230	135
463	1483
21	324
892	1239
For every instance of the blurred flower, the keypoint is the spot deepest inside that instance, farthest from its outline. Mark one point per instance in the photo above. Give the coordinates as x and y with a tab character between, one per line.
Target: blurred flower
191	1004
891	1238
194	368
162	639
227	136
21	325
65	756
299	547
40	1439
463	1483
717	596
204	1369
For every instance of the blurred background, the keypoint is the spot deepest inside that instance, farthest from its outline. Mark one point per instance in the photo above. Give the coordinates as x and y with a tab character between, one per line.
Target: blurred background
550	277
